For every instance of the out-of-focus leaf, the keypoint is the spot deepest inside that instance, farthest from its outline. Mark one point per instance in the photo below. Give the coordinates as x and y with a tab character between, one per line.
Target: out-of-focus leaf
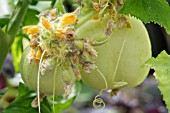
16	50
30	17
34	2
4	20
4	43
60	7
161	65
22	103
2	91
53	3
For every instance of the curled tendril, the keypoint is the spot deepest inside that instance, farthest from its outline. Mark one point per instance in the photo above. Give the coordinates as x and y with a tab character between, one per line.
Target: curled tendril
98	102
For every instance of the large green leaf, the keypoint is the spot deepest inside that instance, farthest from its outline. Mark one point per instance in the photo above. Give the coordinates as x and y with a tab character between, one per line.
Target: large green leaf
161	65
4	43
7	39
157	11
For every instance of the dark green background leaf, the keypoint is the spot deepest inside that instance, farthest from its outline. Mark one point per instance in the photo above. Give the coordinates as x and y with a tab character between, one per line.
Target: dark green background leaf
157	11
4	20
30	17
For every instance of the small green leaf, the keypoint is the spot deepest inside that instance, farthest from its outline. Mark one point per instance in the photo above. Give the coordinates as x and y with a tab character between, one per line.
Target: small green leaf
161	65
157	11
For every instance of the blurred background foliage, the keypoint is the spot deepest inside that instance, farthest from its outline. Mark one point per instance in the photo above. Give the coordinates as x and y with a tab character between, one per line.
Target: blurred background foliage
17	98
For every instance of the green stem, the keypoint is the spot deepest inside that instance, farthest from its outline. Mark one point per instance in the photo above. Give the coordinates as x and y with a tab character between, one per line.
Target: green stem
85	18
6	40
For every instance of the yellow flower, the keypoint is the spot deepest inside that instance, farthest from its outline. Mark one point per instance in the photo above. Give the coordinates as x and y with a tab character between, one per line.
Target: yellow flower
69	18
25	28
30	29
33	30
46	23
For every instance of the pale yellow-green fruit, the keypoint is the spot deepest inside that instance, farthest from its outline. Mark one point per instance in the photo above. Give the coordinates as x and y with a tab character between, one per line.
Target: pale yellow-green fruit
122	57
29	73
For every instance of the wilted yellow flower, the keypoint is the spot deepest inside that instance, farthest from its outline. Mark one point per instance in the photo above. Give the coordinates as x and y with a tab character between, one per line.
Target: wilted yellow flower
32	53
46	23
53	12
33	30
69	18
25	28
38	54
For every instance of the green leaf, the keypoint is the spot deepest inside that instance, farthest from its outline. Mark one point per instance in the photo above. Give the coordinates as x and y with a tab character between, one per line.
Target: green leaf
161	65
60	7
7	39
30	17
16	50
157	11
4	43
4	20
22	103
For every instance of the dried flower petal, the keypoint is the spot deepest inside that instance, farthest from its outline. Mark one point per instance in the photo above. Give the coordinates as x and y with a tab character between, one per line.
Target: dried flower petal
25	28
67	89
87	65
38	54
76	72
60	34
34	103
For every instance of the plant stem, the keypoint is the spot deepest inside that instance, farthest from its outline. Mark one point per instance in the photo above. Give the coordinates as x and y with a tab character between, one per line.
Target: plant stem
6	40
85	18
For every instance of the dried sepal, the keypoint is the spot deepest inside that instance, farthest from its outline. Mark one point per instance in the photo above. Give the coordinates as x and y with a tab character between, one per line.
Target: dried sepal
90	50
76	72
67	88
113	92
109	28
34	103
87	65
47	65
